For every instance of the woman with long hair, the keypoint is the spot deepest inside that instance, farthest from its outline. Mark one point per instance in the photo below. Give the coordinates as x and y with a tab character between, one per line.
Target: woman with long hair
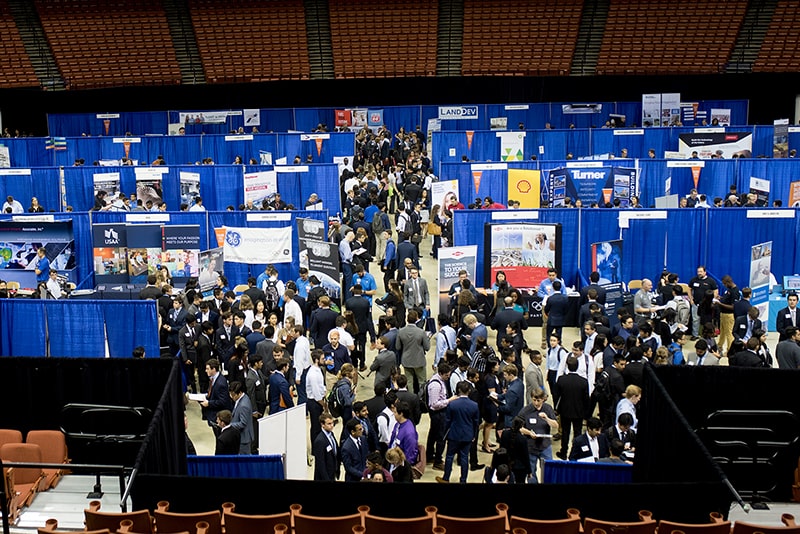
345	390
394	299
435	227
246	306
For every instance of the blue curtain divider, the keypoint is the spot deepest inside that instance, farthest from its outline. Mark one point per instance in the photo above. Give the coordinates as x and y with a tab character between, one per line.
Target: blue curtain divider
269	466
77	328
307	119
22	328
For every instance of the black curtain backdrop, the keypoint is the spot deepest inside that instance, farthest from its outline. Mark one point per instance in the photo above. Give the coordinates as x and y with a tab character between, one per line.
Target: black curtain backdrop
701	391
36	389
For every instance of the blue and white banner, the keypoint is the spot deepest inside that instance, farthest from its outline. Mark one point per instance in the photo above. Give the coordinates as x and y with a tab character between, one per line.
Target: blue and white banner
458	112
595	184
375	118
760	267
258	245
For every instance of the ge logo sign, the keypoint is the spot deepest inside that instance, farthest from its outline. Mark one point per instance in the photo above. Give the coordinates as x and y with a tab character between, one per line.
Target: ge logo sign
233	239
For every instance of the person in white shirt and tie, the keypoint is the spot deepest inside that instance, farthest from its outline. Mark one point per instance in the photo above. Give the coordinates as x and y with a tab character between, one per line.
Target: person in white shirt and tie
592	445
787	316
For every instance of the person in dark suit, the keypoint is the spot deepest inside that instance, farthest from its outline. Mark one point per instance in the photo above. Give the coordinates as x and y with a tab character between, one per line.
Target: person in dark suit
512	401
205	313
744	327
506	316
176	319
788	316
592	445
254	292
325	451
589	308
748	357
573	403
225	338
462	420
217	398
165	300
205	346
323	320
623	432
600	297
406	249
280	397
187	341
354	451
362	314
413	400
228	438
150	291
556	309
242	417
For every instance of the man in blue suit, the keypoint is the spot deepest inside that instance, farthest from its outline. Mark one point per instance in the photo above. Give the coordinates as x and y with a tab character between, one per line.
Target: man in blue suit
556	310
477	329
354	451
280	397
218	397
592	445
242	417
462	420
512	401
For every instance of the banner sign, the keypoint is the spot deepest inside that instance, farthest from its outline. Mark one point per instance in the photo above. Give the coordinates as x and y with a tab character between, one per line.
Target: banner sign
322	260
524	186
258	245
601	185
760	188
204	117
108	182
607	261
512	146
260	186
651	110
458	112
760	267
148	184
110	247
794	194
452	260
444	193
780	138
725	145
523	251
310	229
211	266
190	187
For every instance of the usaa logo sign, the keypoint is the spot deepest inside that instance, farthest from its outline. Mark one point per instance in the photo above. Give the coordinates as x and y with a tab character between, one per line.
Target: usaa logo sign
458	112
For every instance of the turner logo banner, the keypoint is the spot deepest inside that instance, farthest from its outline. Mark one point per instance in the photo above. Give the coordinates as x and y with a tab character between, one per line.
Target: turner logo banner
599	184
258	245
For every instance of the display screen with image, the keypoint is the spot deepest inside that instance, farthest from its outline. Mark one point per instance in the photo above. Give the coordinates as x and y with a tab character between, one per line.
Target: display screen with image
524	251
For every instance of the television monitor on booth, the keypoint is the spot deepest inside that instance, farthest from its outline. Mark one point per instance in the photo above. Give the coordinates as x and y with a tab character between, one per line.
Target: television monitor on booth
791	283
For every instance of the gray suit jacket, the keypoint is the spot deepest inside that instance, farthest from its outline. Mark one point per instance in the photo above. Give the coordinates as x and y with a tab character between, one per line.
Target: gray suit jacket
242	419
414	343
408	293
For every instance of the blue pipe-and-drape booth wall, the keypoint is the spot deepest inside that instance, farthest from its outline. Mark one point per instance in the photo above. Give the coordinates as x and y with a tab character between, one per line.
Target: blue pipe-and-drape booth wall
676	239
22	184
175	218
532	115
237	273
77	328
220	185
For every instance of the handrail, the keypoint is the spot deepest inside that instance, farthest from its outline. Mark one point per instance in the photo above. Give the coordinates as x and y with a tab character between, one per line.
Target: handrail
4	503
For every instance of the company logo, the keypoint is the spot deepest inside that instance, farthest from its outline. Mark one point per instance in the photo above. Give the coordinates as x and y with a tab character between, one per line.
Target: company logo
457	254
312	227
588	175
111	236
524	186
375	117
458	112
233	239
321	251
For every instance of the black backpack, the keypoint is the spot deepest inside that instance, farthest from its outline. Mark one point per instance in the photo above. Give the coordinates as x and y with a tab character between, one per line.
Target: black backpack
335	401
271	295
423	397
602	389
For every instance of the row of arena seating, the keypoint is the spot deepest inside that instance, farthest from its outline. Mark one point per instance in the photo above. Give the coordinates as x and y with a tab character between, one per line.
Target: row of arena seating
294	521
244	41
21	485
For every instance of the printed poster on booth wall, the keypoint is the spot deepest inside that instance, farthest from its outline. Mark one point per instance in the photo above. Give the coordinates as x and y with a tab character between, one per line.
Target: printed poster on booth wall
108	182
211	267
794	194
148	184
760	267
190	187
258	245
260	186
444	193
452	260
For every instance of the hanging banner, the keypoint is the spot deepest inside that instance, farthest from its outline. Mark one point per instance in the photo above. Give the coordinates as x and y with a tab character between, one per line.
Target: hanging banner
760	267
443	193
498	123
110	259
260	186
453	260
212	264
524	186
760	188
651	110
310	229
607	261
359	117
780	138
470	135
512	146
670	109
375	118
794	194
523	251
343	118
5	157
458	112
190	187
322	260
252	117
180	250
108	182
696	175
148	184
724	145
258	245
476	180
144	243
203	117
600	184
721	115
